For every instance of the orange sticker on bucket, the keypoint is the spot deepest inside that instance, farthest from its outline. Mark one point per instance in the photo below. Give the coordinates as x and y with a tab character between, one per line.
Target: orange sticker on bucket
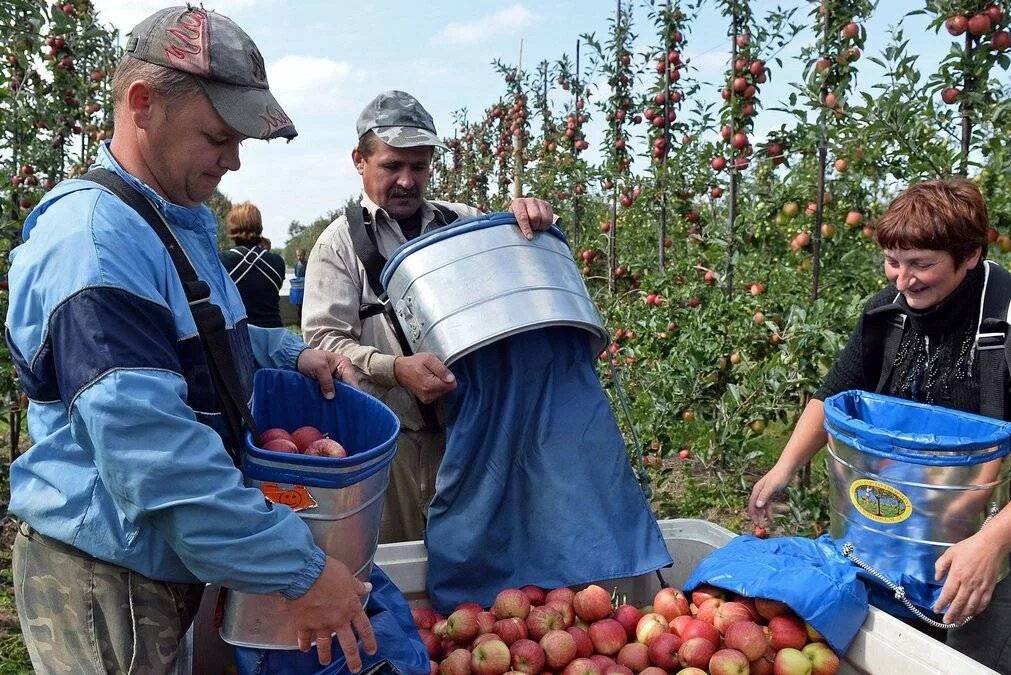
880	502
297	497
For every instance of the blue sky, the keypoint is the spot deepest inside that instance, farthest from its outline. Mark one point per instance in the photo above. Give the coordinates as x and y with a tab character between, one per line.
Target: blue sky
325	60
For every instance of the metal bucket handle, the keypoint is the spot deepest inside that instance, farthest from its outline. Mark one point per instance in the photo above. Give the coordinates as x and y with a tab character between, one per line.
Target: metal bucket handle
900	592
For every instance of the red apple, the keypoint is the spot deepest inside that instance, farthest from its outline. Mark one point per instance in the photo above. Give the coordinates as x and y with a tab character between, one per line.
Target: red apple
490	658
581	666
730	613
512	602
603	662
790	661
663	651
787	631
956	24
563	608
707	610
564	594
950	94
527	656
729	662
679	623
511	629
326	447
433	645
851	31
628	616
462	625
304	436
584	645
704	592
271	434
592	603
747	637
433	668
1000	40
542	620
456	663
995	13
559	649
608	636
979	24
693	671
634	656
424	617
280	445
696	652
485	622
823	660
696	628
770	608
764	664
649	626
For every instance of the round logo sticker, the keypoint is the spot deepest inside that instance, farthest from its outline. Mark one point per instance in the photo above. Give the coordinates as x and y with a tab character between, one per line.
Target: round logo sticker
879	502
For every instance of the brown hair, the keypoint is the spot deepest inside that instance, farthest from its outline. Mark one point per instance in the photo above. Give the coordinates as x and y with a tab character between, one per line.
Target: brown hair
172	84
942	215
245	224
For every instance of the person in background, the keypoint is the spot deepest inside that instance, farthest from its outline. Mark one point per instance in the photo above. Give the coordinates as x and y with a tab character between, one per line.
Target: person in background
257	272
934	239
129	501
396	144
300	262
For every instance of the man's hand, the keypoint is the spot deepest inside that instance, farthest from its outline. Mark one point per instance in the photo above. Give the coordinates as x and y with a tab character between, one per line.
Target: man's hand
322	366
333	604
424	375
972	567
532	214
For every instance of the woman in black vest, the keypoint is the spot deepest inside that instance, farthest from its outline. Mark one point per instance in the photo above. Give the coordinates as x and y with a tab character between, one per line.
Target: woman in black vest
934	239
257	272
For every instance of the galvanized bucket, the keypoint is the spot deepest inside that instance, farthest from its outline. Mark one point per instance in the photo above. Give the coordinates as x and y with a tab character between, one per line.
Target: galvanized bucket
907	481
461	287
341	500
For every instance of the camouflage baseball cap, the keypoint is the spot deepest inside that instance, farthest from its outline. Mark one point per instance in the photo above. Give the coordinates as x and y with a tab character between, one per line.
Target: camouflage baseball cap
224	60
399	120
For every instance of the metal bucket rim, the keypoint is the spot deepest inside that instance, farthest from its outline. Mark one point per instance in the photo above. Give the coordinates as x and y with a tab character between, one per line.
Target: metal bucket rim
966	456
502	218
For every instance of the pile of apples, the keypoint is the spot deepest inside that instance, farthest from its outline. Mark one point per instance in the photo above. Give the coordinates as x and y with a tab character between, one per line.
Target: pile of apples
528	630
307	440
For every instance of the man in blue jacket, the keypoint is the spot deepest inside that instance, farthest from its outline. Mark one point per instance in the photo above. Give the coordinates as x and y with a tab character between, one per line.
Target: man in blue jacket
128	500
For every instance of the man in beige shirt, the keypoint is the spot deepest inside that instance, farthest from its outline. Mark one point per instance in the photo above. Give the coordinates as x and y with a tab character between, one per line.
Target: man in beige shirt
396	144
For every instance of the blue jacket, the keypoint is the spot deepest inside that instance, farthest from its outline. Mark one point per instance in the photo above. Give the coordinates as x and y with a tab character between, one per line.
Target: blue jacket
128	464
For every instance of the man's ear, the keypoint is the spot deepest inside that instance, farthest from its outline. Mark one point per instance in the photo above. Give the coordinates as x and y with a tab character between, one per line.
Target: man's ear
358	160
140	103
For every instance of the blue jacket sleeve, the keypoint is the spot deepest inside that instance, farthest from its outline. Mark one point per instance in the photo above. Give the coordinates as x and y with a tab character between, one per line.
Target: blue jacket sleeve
275	347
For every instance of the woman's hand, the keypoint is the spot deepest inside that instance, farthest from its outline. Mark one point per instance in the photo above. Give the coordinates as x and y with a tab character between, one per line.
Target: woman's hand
760	504
322	366
972	567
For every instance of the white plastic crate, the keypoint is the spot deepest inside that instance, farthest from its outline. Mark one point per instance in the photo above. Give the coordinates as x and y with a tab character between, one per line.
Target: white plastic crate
884	645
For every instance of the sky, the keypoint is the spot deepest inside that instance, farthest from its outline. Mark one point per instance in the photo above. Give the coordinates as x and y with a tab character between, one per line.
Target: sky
326	60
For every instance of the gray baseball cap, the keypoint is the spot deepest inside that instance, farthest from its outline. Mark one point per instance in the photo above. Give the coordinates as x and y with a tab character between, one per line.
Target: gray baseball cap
399	120
224	60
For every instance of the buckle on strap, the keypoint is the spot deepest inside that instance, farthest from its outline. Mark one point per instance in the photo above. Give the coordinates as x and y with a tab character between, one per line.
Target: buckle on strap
197	292
986	341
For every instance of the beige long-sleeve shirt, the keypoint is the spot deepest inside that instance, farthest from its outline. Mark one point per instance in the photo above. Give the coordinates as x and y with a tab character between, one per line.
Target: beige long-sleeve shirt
336	286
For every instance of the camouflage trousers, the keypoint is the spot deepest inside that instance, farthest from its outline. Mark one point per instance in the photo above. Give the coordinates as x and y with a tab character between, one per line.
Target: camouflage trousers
81	615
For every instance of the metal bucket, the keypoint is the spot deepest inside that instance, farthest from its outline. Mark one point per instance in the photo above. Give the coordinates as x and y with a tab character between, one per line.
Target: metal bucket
340	500
902	496
462	287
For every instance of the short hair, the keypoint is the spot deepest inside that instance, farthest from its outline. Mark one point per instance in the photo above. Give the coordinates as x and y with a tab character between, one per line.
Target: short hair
948	214
172	84
369	144
245	225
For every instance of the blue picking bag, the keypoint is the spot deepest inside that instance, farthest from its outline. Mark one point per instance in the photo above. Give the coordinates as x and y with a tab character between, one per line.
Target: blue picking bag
811	576
400	649
908	480
296	291
535	486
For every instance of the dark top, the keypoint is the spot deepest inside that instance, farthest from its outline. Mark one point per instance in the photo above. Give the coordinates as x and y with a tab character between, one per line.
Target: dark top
258	275
299	268
935	362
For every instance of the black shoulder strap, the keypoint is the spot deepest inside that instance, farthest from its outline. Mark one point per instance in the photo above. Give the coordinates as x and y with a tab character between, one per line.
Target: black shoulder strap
894	323
449	216
993	341
209	320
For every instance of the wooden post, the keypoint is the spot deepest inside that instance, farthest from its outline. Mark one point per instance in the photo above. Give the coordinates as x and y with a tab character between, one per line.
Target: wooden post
967	86
576	226
518	144
663	169
822	162
728	287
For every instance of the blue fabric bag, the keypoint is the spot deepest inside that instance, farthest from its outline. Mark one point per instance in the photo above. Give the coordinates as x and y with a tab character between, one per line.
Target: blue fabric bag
401	650
535	486
810	576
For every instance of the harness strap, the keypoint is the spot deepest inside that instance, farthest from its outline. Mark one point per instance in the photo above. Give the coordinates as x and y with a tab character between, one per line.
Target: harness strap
255	262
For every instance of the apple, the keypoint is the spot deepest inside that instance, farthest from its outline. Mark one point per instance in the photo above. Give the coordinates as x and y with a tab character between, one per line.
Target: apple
653	670
760	532
433	645
485	622
628	616
512	602
764	664
649	626
274	433
433	668
584	645
823	660
582	666
950	94
608	636
718	163
592	603
304	436
696	628
956	24
851	31
542	620
663	651
565	609
326	447
462	625
691	671
730	613
704	592
696	652
979	24
604	662
748	638
842	164
527	656
510	630
1001	40
559	648
280	445
456	663
995	13
634	656
787	631
790	661
670	602
767	609
830	100
490	658
740	140
707	610
424	617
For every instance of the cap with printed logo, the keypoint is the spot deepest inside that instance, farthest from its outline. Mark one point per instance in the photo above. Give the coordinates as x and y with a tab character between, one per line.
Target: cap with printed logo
399	120
225	61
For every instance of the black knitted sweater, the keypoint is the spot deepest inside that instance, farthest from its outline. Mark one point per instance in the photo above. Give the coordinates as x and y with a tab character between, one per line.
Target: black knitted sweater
935	362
